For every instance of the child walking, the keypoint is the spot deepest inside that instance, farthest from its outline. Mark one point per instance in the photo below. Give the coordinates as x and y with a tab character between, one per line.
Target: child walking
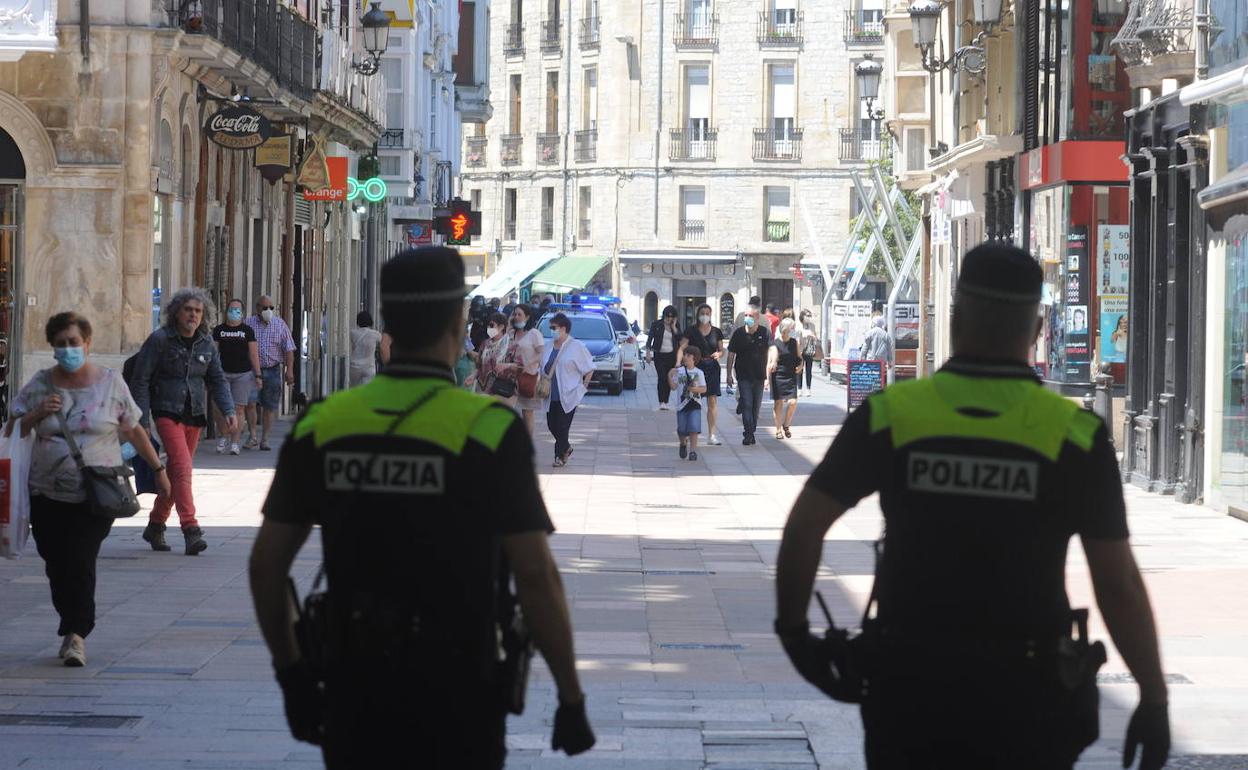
690	382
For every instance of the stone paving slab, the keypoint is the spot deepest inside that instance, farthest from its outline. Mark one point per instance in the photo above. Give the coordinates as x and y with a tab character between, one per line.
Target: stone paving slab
669	567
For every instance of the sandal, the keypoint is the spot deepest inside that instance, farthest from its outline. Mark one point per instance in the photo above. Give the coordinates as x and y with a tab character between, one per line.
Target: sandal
787	434
560	462
780	434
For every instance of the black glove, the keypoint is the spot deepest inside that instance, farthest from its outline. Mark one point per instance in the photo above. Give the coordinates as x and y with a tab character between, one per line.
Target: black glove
305	702
809	655
1150	729
572	731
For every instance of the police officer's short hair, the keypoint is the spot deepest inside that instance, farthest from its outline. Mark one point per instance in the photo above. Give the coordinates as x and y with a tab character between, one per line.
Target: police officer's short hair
422	295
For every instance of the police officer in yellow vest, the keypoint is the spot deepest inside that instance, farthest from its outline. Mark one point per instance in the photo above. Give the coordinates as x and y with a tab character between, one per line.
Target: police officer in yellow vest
427	500
969	658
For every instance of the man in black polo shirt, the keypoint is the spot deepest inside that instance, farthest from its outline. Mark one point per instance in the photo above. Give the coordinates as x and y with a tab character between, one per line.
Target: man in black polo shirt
749	345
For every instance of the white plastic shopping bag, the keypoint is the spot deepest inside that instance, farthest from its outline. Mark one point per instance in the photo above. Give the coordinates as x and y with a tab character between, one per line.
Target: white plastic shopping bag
14	492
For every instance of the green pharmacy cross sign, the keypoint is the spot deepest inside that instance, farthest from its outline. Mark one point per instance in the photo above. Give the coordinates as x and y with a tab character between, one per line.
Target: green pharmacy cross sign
373	190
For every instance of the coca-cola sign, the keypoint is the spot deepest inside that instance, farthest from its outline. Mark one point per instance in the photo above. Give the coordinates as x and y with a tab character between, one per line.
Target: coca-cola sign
238	128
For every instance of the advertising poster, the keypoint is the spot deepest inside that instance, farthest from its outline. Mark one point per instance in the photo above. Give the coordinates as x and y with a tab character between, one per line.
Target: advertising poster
863	379
1114	329
1113	255
850	321
1077	339
906	325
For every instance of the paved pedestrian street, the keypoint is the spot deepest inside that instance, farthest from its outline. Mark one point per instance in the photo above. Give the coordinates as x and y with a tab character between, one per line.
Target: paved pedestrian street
669	566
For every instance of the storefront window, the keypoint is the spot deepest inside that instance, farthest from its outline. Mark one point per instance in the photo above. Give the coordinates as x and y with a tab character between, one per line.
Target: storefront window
1234	465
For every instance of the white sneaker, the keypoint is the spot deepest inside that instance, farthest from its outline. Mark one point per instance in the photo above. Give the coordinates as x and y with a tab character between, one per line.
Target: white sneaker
64	646
221	445
75	651
713	440
235	449
664	407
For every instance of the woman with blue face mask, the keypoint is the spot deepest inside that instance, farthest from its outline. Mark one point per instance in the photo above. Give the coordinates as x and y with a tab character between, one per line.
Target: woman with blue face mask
100	414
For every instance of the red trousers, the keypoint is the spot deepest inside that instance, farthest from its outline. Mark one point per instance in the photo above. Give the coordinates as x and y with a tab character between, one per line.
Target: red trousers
180	442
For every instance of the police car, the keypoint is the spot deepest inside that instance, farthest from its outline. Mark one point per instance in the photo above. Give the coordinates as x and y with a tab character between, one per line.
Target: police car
630	350
591	326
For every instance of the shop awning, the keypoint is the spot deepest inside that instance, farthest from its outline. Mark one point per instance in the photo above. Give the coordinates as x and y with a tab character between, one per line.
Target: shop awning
717	257
512	272
567	274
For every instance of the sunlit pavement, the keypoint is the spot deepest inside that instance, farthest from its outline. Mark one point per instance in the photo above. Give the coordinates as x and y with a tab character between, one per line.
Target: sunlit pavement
668	565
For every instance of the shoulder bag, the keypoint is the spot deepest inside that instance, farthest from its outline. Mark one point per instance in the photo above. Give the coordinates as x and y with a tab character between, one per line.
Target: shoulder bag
543	384
526	384
108	487
501	386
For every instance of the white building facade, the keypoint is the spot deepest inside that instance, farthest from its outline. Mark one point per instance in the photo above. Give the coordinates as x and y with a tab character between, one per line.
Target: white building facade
698	151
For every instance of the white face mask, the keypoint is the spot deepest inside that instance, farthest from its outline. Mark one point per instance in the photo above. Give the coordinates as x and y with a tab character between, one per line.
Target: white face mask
491	332
706	319
267	315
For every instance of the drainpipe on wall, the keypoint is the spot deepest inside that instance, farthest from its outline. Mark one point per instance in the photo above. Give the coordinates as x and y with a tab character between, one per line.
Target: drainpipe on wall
567	135
1201	20
658	121
84	31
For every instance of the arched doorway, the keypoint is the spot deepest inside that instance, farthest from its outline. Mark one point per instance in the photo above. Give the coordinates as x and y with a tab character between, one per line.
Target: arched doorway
12	177
650	309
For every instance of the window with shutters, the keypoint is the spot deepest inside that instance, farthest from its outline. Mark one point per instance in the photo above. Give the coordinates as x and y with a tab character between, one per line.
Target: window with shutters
589	99
509	214
548	213
693	214
585	213
776	216
782	100
916	149
698	102
513	124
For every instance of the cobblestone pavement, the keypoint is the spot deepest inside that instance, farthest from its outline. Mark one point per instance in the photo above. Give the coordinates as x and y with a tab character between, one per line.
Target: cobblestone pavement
669	568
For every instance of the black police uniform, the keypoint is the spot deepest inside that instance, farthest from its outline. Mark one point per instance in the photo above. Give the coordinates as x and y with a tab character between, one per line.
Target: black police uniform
411	525
984	476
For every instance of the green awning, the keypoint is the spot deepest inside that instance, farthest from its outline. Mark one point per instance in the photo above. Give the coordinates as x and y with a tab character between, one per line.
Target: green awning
567	274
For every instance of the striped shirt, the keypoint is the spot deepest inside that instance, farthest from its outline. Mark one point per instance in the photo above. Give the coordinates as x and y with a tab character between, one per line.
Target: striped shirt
273	340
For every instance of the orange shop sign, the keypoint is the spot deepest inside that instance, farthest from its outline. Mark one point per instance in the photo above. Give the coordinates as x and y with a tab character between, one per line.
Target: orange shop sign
336	190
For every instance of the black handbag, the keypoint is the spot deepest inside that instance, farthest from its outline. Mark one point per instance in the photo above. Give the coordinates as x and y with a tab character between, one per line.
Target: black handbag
503	387
108	487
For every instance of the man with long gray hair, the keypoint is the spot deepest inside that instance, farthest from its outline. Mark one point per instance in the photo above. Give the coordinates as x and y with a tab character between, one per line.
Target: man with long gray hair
168	384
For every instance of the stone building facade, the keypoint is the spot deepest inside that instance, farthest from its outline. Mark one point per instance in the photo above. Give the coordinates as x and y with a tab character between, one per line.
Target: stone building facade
700	149
111	196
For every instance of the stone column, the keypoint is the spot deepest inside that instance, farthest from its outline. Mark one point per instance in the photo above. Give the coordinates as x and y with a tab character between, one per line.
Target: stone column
136	240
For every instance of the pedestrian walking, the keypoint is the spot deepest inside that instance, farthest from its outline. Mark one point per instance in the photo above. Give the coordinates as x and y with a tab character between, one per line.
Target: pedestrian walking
709	341
277	365
177	368
970	653
689	382
811	348
492	351
365	342
784	370
93	403
773	319
749	348
877	344
523	361
756	304
567	367
661	346
240	361
415	610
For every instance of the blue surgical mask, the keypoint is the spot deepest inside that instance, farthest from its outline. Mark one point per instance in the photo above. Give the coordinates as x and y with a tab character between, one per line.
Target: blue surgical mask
70	359
234	314
749	320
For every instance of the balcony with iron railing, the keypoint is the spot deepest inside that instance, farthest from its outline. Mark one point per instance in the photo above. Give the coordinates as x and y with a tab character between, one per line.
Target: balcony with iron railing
864	26
548	148
687	144
693	230
590	33
862	144
510	147
697	30
475	146
513	40
280	41
780	30
1156	40
552	41
770	144
776	232
340	82
391	138
585	148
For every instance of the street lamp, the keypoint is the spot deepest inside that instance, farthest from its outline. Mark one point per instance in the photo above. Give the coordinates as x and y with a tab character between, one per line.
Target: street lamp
924	17
868	73
375	27
987	12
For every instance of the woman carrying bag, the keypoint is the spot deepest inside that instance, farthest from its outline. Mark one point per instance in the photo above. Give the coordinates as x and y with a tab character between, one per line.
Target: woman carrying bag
811	351
94	405
567	369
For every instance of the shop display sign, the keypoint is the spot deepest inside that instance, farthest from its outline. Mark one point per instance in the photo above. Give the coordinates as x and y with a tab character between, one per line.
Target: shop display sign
275	157
331	186
238	128
419	233
906	325
1076	322
1113	250
850	321
862	379
1114	329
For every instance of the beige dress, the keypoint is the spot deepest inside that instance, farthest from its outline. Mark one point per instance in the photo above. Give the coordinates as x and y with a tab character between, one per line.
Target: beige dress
526	349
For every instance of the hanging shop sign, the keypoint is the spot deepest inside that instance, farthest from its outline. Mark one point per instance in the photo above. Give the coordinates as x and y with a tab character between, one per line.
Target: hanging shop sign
334	184
275	157
419	233
459	224
237	127
373	190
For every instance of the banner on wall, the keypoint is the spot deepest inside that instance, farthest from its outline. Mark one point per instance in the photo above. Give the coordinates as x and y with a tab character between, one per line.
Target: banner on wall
1077	339
1114	329
850	321
1113	251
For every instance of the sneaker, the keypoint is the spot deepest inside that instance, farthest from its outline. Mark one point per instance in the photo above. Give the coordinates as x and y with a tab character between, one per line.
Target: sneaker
664	407
234	449
714	441
684	451
64	646
560	462
221	445
745	441
693	455
75	651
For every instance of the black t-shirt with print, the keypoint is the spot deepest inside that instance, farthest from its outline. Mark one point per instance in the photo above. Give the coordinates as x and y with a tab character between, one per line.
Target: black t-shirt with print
233	342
